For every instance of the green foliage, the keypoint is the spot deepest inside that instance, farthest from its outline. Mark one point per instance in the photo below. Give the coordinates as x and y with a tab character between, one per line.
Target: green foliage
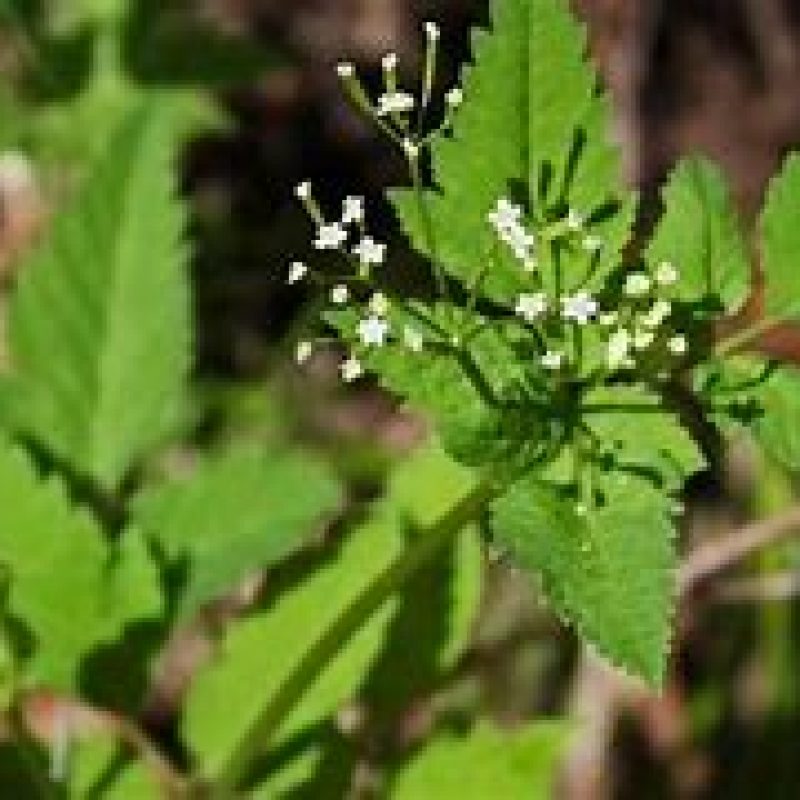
700	230
533	127
486	763
237	513
608	570
746	393
68	588
99	324
648	441
781	243
260	654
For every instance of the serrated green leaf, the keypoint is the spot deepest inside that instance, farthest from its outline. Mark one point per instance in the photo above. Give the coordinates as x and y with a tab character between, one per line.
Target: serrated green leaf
781	243
236	514
486	763
100	322
643	438
260	652
66	585
532	119
700	233
609	572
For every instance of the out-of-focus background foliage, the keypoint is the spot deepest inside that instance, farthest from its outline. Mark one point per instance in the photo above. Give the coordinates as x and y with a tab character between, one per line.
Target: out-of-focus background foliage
716	76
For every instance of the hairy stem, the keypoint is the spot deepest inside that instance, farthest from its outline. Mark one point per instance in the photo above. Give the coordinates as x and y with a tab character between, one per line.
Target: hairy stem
257	737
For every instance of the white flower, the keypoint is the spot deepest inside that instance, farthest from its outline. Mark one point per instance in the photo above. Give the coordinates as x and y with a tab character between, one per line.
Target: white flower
411	149
666	274
592	244
678	345
303	352
531	306
580	308
455	97
506	216
373	331
389	62
637	284
340	294
658	312
432	31
353	210
575	220
330	237
303	190
552	360
395	103
351	370
297	271
413	339
344	69
643	339
370	252
618	353
379	304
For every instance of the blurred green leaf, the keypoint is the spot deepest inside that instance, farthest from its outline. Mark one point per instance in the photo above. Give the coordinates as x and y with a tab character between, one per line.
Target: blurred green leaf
100	328
260	653
166	43
781	243
237	513
69	590
486	763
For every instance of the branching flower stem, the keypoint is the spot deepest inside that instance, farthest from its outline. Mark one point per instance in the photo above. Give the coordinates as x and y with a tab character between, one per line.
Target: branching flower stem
257	737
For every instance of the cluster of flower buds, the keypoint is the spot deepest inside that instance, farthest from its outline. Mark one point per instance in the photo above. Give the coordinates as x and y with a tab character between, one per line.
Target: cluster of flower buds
641	321
635	326
398	113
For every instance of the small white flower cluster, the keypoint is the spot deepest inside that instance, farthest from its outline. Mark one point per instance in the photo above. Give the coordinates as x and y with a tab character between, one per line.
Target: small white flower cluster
506	220
373	328
580	309
394	107
633	328
335	235
636	328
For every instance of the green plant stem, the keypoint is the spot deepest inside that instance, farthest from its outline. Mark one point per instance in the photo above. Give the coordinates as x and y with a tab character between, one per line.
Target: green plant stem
257	737
427	225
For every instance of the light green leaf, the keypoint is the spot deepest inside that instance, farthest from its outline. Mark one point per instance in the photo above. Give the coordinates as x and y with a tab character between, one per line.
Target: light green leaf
100	331
609	571
532	125
781	243
700	233
642	437
765	399
261	652
486	763
236	514
66	585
